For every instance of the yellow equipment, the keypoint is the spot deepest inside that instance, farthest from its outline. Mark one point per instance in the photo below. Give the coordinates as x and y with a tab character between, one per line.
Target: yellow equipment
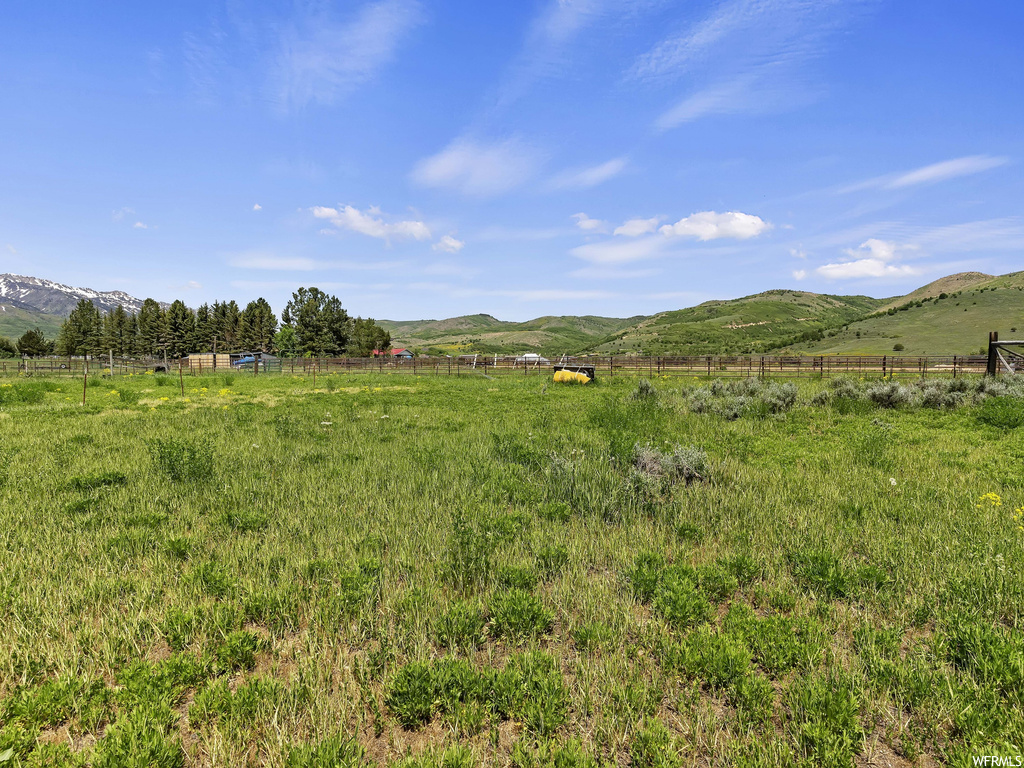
571	377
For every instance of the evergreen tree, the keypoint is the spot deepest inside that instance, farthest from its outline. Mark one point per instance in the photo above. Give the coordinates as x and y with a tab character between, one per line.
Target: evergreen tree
226	319
7	347
152	328
257	327
205	330
118	335
322	326
33	343
181	329
367	337
82	331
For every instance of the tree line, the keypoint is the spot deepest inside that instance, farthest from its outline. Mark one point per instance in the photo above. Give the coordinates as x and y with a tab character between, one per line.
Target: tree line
313	324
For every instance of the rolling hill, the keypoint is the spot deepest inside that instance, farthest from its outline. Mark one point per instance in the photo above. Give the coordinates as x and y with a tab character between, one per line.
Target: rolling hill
752	324
549	335
926	322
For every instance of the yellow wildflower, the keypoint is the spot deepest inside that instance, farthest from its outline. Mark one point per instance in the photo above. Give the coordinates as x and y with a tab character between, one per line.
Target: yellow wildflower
991	499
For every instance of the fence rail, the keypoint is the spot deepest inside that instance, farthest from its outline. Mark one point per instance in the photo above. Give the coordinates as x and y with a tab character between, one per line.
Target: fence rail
707	366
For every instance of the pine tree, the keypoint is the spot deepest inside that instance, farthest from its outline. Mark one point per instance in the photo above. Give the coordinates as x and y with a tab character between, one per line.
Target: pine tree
257	327
322	326
205	330
367	337
181	329
152	328
82	331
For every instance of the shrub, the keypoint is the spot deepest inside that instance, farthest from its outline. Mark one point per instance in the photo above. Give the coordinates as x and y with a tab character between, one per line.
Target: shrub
183	460
238	651
779	398
679	599
897	347
644	392
844	387
518	615
460	626
889	394
685	463
645	575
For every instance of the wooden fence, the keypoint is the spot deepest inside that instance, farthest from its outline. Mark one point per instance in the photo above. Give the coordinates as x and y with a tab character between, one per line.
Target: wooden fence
702	366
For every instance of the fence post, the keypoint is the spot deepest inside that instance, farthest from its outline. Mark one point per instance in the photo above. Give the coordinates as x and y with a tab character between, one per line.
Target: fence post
993	362
885	359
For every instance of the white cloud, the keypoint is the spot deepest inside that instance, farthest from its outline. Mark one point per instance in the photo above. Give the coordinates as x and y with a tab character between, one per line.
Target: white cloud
710	225
637	227
723	98
370	223
588	224
478	169
799	274
319	60
949	169
861	268
271	262
870	260
257	207
798	253
584	178
191	285
140	225
620	251
449	244
12	249
121	213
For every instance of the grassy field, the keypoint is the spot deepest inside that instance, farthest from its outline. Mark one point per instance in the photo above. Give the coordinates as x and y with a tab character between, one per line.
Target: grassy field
454	572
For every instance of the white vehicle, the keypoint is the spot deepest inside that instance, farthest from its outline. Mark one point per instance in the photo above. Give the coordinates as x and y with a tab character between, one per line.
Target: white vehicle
532	358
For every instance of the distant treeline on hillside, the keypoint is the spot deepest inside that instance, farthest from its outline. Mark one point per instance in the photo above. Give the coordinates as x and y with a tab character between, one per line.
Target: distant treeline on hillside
313	323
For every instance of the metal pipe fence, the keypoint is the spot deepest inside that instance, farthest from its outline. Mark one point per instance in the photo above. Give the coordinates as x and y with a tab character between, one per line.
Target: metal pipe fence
700	366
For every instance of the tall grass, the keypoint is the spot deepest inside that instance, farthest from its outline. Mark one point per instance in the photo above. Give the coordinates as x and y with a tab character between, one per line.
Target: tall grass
410	570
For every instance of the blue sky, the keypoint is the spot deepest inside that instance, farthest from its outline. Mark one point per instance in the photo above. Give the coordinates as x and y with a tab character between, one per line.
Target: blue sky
429	159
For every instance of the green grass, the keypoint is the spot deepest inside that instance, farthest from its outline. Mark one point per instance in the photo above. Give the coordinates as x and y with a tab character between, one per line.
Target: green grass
957	324
405	570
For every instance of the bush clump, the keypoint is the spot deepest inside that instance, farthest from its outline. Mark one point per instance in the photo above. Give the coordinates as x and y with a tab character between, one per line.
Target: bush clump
889	394
687	464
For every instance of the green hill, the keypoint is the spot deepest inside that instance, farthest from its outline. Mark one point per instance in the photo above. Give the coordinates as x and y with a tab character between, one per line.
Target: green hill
16	318
752	324
924	322
549	335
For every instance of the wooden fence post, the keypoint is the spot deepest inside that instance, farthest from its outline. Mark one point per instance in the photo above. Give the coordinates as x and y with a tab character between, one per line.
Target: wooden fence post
993	361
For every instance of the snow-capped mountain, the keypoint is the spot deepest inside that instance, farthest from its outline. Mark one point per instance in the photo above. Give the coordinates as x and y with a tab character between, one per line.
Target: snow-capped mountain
59	299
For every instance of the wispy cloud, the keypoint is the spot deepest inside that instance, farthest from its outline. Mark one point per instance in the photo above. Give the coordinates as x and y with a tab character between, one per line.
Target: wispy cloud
257	207
272	262
479	169
744	56
637	227
621	251
931	174
120	213
12	249
321	59
371	223
448	244
140	225
584	178
588	224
